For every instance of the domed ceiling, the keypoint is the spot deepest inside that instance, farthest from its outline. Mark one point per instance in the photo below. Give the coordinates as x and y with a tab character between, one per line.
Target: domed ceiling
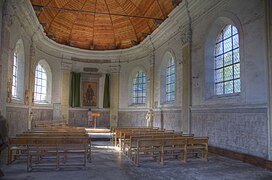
101	24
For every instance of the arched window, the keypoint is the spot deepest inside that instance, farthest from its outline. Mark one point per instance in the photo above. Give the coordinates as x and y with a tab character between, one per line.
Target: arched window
15	75
139	88
18	71
227	62
42	86
170	80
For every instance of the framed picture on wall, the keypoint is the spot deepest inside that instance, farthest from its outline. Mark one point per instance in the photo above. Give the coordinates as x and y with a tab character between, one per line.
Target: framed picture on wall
89	94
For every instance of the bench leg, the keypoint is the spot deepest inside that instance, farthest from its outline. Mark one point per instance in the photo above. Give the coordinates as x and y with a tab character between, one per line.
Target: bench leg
162	157
184	155
9	155
137	158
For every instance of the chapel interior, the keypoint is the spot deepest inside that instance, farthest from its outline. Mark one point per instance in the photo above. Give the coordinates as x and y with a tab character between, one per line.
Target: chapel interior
196	69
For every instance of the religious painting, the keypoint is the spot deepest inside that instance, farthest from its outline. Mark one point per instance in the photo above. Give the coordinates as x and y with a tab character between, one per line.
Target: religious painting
89	94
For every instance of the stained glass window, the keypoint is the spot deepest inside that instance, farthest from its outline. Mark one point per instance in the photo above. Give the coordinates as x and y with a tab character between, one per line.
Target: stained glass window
139	88
40	89
227	62
170	80
15	75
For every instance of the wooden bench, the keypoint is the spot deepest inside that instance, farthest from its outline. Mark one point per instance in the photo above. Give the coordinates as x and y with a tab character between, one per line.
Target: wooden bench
123	132
59	129
125	138
198	145
118	132
169	146
60	149
132	145
17	146
174	147
147	147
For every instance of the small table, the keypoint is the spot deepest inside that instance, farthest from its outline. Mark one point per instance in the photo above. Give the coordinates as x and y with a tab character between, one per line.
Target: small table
94	115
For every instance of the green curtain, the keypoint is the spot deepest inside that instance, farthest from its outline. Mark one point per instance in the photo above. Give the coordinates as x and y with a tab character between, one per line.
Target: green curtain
75	90
106	100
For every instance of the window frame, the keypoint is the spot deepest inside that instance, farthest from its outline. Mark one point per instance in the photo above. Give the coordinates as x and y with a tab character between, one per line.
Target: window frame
221	39
17	72
164	101
47	73
170	73
15	67
139	94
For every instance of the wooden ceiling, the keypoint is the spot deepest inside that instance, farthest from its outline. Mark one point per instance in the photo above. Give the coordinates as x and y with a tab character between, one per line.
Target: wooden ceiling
101	24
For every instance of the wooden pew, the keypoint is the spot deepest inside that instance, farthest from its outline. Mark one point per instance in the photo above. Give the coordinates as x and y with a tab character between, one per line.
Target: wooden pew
17	146
132	142
174	147
59	129
149	147
125	139
48	123
198	145
120	131
169	146
57	147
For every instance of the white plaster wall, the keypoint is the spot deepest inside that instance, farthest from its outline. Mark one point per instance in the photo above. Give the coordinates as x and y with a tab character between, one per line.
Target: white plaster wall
250	21
173	45
125	75
55	66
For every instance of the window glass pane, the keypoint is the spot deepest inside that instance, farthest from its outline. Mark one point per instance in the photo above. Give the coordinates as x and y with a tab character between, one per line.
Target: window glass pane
219	88
228	87
227	32
228	74
235	41
234	30
237	86
236	56
227	45
219	75
237	71
219	61
228	58
218	49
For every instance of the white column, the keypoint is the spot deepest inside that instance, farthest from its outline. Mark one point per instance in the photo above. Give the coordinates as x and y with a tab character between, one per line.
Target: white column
268	7
65	89
114	98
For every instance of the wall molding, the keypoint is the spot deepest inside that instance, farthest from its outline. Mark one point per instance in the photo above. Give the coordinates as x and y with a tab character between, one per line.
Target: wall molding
257	161
261	108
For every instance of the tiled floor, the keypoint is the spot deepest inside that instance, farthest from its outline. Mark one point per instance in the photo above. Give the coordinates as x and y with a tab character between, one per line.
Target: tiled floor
110	164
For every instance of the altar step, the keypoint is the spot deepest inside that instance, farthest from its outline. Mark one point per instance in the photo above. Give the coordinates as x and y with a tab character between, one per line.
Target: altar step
99	134
98	130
